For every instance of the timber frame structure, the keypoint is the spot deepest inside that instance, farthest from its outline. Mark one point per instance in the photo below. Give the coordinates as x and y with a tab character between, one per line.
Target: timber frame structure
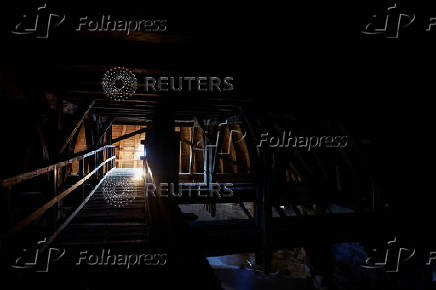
67	140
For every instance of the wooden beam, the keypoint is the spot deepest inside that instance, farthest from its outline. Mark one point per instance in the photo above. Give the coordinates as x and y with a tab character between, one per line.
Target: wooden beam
106	127
261	164
228	152
125	136
90	132
240	146
162	157
198	154
76	128
37	172
43	141
121	147
185	147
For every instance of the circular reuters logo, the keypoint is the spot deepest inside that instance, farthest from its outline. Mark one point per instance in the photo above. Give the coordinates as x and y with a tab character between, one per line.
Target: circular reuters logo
118	192
119	83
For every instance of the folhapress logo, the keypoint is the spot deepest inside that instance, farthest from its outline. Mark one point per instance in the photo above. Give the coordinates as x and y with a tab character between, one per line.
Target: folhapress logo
390	23
394	20
39	24
38	260
394	255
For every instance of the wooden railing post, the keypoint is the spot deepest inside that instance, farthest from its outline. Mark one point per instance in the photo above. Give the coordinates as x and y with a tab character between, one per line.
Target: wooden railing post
112	153
102	159
109	155
105	169
95	177
95	166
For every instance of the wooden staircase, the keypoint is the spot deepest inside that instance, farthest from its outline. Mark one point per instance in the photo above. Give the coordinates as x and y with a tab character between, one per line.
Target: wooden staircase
103	223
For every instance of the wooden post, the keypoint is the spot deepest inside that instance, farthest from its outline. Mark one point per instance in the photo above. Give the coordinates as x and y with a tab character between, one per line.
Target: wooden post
53	191
113	160
264	209
191	135
81	175
162	157
208	161
113	164
261	163
209	166
76	129
240	146
95	166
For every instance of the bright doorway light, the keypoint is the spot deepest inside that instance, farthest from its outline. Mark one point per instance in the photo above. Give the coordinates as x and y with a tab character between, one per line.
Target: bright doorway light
139	174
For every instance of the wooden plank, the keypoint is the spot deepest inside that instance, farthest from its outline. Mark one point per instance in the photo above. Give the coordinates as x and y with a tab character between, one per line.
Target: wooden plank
76	128
198	151
37	172
106	127
185	155
126	136
43	141
240	146
54	193
229	163
121	148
